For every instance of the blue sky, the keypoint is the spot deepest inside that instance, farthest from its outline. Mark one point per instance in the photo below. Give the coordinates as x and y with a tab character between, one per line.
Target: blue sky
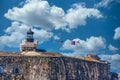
94	23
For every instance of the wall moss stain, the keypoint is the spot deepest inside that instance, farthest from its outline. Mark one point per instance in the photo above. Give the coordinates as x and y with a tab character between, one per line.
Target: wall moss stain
52	68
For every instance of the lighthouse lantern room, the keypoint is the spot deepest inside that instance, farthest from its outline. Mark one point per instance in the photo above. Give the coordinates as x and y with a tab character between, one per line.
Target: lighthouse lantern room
29	44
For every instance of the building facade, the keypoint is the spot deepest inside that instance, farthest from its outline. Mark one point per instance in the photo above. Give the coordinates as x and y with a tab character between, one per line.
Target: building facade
19	67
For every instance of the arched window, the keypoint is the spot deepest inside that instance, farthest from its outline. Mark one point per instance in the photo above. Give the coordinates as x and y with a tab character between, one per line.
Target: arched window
1	70
16	70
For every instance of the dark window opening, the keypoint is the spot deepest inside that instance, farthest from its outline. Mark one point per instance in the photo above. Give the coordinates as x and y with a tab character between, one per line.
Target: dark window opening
16	70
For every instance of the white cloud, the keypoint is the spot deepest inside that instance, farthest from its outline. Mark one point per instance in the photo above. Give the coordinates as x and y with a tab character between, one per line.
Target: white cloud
78	15
44	18
103	3
114	60
106	3
117	33
17	32
17	27
40	14
91	44
112	48
42	35
14	35
56	37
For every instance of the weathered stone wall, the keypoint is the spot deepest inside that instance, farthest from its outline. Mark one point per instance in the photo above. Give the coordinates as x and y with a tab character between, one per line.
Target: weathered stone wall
52	68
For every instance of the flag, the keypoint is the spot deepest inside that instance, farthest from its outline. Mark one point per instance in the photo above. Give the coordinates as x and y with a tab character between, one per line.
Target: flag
72	42
78	41
61	42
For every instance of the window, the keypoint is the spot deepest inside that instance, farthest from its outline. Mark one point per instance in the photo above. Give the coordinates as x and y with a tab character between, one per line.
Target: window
1	70
30	36
16	70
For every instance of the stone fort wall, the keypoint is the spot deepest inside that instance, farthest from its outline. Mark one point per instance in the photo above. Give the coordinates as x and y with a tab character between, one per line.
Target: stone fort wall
51	68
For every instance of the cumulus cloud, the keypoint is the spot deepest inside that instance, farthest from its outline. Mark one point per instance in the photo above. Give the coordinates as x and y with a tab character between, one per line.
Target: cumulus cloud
114	59
78	15
103	3
42	35
112	48
117	33
91	44
44	18
40	14
16	33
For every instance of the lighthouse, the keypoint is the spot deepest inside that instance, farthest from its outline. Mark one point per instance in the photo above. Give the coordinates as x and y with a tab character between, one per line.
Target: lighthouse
29	44
30	36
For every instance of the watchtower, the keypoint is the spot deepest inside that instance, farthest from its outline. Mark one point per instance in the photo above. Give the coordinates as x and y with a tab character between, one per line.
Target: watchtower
29	44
